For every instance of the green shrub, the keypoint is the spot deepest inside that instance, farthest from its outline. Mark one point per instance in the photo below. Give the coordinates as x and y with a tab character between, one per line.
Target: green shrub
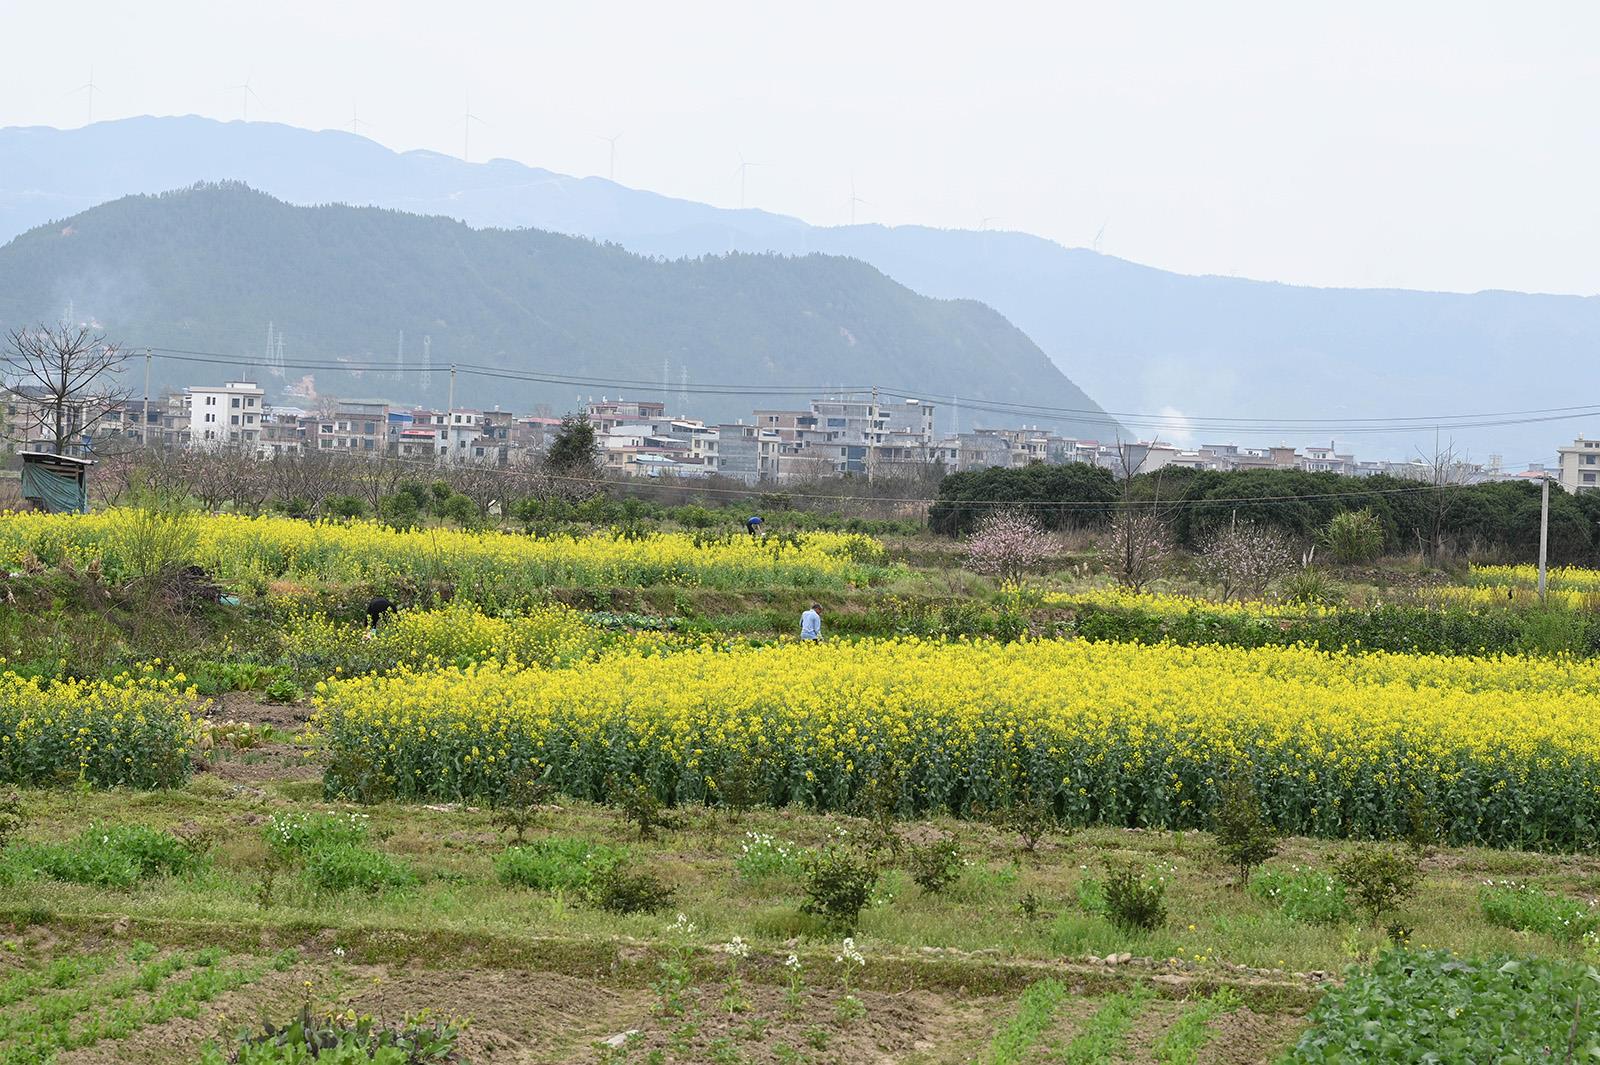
558	863
1245	838
615	889
839	885
935	865
1378	877
1354	536
1134	901
120	856
1524	908
338	867
11	817
283	690
1312	586
344	507
1305	895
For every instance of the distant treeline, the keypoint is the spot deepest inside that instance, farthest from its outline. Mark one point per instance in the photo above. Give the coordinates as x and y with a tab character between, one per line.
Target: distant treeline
1501	517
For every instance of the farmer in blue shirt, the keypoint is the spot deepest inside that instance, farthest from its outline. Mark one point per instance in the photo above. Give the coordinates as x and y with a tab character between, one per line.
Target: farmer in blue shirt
754	523
811	623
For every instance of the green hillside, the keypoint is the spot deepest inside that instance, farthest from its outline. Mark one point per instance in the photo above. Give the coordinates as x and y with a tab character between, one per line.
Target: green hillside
207	268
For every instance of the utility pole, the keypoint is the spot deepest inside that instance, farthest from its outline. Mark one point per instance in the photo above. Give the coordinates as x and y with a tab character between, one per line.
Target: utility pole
144	431
450	404
1544	530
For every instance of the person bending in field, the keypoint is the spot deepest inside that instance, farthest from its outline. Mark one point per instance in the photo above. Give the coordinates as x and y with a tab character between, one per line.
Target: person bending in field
811	623
377	609
754	524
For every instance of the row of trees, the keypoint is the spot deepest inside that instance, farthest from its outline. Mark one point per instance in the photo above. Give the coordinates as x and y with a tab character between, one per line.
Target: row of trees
1187	507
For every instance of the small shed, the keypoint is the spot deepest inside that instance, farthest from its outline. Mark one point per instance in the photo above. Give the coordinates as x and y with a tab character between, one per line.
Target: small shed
57	484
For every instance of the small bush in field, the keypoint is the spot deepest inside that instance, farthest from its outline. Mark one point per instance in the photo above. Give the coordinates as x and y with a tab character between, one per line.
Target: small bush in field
616	889
1133	901
1245	838
935	865
839	885
762	856
1309	896
1525	908
119	857
1378	877
341	867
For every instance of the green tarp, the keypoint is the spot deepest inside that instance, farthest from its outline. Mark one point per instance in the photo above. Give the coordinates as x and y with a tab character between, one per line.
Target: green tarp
58	493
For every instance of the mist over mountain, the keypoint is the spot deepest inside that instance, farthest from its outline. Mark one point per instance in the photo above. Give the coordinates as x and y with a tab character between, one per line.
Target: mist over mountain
1134	337
207	268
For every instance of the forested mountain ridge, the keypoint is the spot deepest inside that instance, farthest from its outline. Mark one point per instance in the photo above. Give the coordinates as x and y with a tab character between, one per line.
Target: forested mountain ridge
207	268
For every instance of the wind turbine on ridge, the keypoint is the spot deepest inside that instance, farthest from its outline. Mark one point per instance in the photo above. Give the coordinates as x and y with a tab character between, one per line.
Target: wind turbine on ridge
245	93
611	170
744	168
466	130
854	200
90	86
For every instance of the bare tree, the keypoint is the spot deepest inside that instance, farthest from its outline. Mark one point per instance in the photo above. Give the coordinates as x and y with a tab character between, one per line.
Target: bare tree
206	476
482	482
69	375
1139	537
305	480
243	476
1244	558
1139	541
377	477
1447	471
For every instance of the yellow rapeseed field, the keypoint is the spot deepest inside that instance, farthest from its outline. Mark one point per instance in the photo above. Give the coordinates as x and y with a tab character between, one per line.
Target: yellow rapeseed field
551	636
1169	604
1568	579
497	565
1501	750
134	730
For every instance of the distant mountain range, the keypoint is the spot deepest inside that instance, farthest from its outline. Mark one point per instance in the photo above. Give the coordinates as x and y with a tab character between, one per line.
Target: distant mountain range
1135	338
203	270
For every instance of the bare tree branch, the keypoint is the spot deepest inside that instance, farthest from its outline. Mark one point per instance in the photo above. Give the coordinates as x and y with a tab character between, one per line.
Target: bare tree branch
70	374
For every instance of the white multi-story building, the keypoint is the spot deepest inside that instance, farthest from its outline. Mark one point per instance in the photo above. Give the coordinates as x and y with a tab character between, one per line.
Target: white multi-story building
230	414
1578	468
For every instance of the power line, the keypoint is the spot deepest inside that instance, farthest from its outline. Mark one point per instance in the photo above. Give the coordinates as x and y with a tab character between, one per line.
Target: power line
1349	426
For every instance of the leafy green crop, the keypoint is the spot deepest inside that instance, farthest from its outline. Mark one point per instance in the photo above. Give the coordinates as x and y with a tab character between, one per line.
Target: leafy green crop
1431	1006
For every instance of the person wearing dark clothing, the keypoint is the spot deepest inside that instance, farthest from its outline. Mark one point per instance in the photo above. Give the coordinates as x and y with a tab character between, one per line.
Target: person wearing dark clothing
754	523
376	609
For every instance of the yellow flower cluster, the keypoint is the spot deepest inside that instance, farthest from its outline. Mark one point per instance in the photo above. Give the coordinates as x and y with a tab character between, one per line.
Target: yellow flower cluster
1171	604
1502	749
1524	575
264	548
549	636
1512	595
135	730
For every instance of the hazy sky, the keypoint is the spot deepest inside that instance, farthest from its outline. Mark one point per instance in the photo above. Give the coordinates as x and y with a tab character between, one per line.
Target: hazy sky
1441	145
